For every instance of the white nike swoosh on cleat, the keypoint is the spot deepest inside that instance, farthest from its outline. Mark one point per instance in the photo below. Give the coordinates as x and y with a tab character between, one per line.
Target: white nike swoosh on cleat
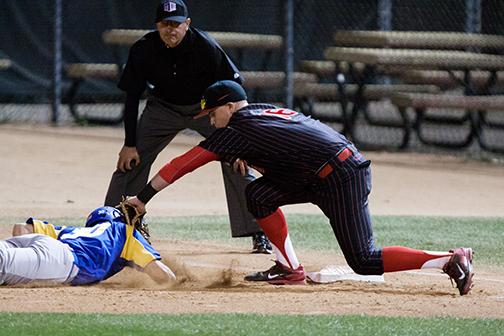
271	277
461	271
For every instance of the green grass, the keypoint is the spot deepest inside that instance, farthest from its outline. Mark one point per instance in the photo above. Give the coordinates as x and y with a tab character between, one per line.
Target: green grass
239	324
484	235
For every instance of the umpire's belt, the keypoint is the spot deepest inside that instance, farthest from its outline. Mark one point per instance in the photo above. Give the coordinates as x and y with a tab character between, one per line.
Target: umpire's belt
327	169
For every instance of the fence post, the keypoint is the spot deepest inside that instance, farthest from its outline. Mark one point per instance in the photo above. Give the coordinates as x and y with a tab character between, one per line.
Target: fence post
473	16
56	94
385	15
385	24
289	52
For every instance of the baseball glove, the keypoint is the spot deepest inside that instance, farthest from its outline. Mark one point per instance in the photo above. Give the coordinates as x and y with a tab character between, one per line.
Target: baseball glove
134	218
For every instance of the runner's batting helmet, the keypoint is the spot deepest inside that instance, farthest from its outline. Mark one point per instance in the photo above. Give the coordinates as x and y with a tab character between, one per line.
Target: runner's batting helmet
103	214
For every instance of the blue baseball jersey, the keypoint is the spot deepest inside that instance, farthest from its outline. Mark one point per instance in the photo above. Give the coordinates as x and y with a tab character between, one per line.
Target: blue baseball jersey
102	250
282	144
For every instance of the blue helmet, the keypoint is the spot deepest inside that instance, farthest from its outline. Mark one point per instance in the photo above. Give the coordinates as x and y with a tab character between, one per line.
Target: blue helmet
103	214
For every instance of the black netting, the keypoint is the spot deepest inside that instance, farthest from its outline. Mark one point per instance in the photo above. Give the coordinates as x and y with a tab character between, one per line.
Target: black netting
492	22
316	21
26	28
448	15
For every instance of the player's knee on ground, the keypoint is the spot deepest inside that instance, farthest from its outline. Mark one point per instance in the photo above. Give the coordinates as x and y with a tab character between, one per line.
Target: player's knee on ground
362	264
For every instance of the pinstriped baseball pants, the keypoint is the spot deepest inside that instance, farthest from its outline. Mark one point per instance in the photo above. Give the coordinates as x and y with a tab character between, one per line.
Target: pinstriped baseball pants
343	198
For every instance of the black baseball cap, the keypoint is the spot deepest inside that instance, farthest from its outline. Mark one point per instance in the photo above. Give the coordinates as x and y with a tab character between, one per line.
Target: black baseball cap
172	10
220	93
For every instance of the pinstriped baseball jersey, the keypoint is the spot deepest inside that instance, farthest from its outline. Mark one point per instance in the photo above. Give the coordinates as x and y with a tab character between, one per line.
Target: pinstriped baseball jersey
284	145
293	150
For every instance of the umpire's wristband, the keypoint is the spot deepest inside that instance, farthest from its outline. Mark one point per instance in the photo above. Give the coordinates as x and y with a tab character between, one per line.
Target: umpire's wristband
147	193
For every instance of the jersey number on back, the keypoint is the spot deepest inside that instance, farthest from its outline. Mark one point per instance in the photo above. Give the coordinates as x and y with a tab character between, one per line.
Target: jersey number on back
282	113
94	231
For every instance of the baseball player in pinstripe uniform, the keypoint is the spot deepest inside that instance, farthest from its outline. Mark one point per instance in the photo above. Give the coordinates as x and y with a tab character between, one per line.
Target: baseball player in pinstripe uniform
301	160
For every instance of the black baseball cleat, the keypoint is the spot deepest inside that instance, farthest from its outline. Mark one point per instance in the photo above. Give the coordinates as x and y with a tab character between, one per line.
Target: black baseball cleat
261	244
279	274
460	269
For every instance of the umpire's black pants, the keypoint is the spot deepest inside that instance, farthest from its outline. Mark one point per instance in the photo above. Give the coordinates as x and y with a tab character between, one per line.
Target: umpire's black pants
159	124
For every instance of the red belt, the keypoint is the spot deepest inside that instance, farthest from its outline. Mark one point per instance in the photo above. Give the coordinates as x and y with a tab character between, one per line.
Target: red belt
328	169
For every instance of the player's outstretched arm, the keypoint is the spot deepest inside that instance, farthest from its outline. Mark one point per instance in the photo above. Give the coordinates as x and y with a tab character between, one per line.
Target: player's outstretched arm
159	272
178	167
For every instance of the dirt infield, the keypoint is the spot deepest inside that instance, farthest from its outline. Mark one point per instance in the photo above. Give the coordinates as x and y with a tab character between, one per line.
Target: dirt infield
55	172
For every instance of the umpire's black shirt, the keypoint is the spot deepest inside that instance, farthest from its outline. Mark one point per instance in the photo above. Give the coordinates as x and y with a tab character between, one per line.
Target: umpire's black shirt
177	75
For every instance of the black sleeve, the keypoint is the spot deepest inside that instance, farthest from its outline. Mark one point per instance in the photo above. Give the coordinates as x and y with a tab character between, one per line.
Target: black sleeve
133	78
225	68
130	119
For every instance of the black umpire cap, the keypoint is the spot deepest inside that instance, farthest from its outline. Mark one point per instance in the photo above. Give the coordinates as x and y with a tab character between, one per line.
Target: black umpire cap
172	10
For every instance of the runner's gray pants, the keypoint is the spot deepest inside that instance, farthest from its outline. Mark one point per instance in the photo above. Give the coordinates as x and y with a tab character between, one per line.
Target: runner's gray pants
33	257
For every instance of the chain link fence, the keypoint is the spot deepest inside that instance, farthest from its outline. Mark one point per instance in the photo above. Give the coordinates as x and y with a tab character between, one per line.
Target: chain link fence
27	27
317	21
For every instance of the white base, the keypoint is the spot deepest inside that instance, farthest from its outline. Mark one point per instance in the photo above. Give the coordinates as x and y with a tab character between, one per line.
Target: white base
340	273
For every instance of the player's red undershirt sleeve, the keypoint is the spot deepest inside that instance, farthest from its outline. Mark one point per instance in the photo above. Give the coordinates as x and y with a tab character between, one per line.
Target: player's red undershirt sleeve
186	163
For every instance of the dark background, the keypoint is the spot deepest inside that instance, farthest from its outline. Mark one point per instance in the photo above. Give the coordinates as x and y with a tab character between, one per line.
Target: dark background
26	29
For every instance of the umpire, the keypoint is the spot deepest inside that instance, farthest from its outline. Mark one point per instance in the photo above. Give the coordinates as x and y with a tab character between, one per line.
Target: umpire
175	64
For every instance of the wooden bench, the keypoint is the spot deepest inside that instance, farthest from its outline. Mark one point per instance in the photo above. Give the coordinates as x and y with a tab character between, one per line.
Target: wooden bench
92	70
329	91
377	59
274	79
319	67
236	41
444	79
310	95
481	80
79	72
417	40
253	79
127	37
475	107
416	58
328	68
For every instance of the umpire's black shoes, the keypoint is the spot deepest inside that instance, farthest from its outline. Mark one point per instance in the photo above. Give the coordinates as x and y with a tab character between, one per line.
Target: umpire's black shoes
279	274
261	244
